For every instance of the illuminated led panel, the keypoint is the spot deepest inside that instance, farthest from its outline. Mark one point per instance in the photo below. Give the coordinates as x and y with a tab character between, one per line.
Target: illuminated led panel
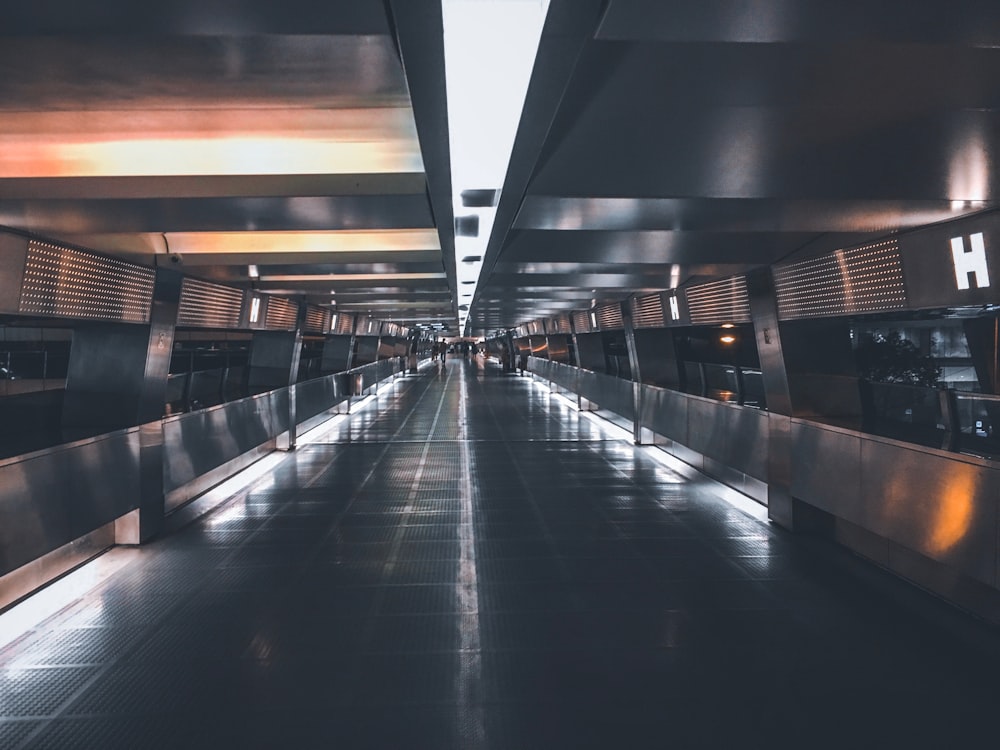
69	283
647	312
723	301
860	280
208	305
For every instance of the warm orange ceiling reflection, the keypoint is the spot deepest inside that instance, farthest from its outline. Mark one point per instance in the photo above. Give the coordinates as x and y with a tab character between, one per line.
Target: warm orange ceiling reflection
384	240
234	142
387	277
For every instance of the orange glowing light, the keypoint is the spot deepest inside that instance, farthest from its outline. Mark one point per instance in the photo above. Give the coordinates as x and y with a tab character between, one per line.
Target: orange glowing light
953	515
727	339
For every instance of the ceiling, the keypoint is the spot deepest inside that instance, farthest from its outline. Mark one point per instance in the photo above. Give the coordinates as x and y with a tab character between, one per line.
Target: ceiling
661	142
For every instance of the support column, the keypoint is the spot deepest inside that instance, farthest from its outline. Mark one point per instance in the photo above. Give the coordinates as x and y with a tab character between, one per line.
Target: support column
633	363
576	361
413	352
508	341
117	378
764	312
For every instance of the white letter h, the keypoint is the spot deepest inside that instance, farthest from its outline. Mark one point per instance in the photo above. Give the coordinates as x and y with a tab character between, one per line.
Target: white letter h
973	262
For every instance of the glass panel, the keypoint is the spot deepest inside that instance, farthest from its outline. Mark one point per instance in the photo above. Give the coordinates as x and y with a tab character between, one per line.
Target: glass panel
722	382
753	389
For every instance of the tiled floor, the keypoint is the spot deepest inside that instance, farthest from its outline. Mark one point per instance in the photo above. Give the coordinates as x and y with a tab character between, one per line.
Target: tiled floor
473	565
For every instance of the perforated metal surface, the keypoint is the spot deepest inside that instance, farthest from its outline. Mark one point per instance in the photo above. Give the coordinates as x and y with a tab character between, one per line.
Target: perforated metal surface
207	305
281	314
860	280
724	301
609	317
69	283
581	321
317	319
560	325
647	312
345	324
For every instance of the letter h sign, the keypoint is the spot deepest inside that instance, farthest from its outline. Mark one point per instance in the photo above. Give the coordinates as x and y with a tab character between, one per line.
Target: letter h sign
970	263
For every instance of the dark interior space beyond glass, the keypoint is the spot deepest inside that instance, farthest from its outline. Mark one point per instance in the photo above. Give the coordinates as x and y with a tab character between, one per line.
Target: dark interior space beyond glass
616	355
931	381
722	363
207	371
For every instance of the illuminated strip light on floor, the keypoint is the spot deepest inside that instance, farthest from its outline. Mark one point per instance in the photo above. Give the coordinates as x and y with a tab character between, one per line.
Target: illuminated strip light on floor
320	431
29	613
35	609
735	498
76	585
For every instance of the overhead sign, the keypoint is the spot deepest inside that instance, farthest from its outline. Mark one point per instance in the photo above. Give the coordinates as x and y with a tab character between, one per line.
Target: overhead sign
950	265
971	264
675	308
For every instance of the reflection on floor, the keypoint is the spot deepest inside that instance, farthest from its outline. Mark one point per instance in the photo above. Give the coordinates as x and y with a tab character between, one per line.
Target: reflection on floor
474	565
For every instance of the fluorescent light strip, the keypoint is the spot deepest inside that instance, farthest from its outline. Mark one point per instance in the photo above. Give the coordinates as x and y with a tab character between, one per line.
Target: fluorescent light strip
735	498
355	277
336	241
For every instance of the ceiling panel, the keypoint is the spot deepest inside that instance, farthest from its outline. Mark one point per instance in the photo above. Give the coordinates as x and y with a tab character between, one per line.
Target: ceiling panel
698	140
215	137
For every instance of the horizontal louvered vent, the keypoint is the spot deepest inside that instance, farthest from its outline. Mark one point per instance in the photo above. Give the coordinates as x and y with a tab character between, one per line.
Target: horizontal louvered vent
281	314
560	325
723	301
345	324
76	284
581	321
316	319
861	280
609	317
647	312
205	305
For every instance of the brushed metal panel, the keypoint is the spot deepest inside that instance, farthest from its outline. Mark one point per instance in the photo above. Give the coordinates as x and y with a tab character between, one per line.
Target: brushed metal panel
51	497
826	469
315	396
13	253
30	577
189	501
665	413
615	394
747	440
562	375
201	441
933	504
706	432
688	456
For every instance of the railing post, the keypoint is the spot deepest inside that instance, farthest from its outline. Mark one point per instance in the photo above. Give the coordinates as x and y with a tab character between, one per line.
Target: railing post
633	361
